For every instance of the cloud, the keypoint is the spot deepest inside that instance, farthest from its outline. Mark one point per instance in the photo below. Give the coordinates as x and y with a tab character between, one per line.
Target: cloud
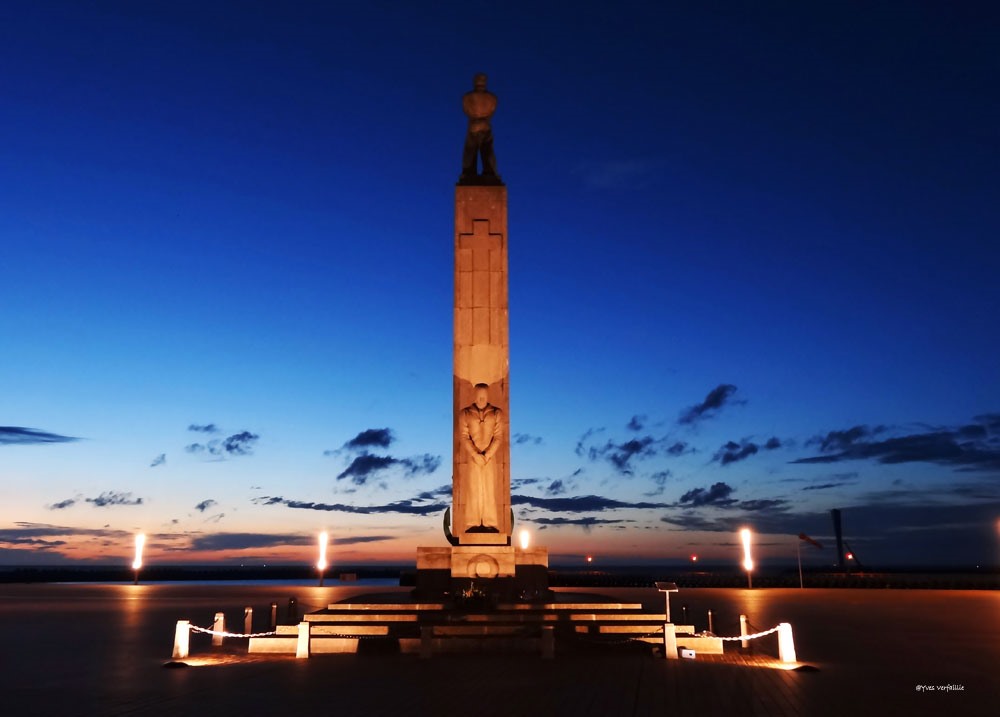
159	460
518	483
521	438
434	494
717	494
19	436
970	447
407	506
371	438
733	452
556	487
842	440
581	442
765	512
361	539
620	455
659	479
910	528
679	448
248	541
717	398
636	423
586	522
825	486
63	504
579	504
762	504
34	543
720	496
206	428
109	498
255	541
45	530
366	465
238	444
205	505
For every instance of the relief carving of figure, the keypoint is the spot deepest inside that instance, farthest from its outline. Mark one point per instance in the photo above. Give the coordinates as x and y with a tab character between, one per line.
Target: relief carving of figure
479	105
481	426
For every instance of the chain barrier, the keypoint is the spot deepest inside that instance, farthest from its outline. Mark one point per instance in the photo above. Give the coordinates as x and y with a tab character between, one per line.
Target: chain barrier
223	633
753	636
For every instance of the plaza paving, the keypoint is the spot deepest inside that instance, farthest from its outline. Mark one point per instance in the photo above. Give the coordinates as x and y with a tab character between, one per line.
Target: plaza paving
99	649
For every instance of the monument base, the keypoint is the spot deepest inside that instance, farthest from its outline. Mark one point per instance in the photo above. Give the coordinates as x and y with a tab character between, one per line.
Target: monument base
498	571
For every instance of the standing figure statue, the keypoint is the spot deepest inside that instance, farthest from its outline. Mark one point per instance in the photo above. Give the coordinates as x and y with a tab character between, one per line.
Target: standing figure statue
482	431
479	105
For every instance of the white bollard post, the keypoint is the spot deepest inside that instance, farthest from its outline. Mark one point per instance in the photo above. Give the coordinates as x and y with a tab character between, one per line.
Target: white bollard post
302	646
182	642
743	631
669	641
218	625
786	645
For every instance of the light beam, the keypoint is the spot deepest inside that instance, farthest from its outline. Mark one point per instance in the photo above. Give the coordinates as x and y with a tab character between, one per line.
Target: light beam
321	564
747	559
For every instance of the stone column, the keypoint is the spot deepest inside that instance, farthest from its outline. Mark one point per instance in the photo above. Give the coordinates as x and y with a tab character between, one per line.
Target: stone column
481	356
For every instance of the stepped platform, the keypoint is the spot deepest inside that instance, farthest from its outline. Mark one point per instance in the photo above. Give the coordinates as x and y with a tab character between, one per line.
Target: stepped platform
428	628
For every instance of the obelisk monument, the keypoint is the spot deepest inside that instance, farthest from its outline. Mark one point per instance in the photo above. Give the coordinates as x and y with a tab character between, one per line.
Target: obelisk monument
481	450
481	517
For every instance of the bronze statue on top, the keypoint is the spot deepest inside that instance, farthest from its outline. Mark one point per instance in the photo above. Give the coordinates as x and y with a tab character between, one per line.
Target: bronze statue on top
479	105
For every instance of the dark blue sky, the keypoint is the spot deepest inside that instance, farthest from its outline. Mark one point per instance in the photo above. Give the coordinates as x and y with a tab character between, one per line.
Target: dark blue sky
753	261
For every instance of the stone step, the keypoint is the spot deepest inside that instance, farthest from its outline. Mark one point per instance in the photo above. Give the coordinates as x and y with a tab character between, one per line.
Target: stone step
703	645
573	606
476	630
321	630
636	617
494	617
273	645
332	645
386	606
620	629
353	617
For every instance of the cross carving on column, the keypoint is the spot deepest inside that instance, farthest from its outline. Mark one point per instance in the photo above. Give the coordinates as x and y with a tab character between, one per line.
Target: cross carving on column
480	241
